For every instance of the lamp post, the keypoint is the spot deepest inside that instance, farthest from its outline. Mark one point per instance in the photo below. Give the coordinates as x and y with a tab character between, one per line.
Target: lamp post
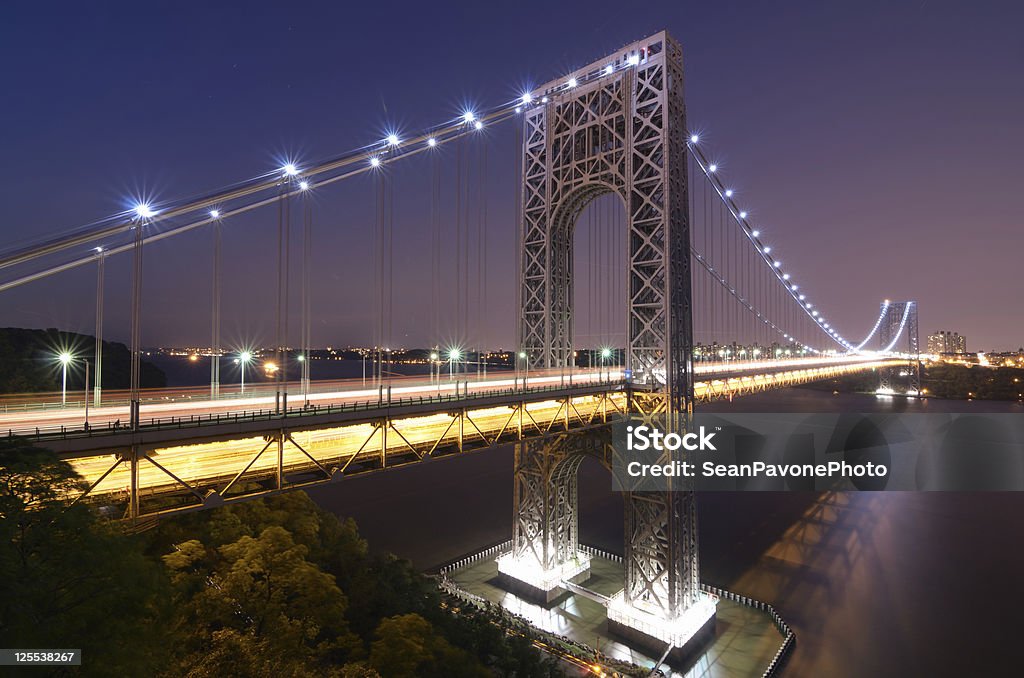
243	359
453	356
65	359
605	354
86	394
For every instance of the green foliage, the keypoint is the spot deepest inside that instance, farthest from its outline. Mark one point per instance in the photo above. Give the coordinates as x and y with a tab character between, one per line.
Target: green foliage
408	645
264	590
941	380
68	579
276	588
984	383
28	365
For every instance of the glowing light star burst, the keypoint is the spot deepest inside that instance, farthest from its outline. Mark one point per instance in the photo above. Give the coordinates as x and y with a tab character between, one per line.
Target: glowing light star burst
290	170
144	211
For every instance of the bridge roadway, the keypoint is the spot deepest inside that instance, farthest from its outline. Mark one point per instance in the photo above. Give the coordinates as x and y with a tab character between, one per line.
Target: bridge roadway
193	451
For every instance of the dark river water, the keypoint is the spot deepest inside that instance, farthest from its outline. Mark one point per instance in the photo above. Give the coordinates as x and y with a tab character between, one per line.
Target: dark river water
874	584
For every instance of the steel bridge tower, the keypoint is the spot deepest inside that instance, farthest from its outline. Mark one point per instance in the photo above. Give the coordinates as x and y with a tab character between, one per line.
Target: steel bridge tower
616	126
900	318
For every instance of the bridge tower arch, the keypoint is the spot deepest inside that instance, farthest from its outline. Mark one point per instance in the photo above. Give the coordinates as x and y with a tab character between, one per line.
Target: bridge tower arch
624	130
617	125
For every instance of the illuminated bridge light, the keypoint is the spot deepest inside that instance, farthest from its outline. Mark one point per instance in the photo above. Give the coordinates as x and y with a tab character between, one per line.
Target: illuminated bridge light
144	211
290	170
478	125
777	264
375	161
468	116
303	185
755	233
633	59
728	193
712	168
572	83
694	138
431	142
527	99
608	69
215	214
393	140
743	215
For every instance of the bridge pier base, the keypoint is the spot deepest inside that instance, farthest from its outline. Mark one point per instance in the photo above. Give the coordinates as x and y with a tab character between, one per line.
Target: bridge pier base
687	633
661	603
525	577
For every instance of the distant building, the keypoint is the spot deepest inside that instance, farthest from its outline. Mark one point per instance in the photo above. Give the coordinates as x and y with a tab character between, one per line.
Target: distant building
945	341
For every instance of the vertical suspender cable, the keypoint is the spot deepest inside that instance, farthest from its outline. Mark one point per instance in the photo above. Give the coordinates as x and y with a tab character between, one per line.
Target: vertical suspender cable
97	382
215	312
307	255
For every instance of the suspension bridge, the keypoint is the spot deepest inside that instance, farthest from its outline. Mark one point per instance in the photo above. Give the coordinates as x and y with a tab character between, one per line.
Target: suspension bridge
632	250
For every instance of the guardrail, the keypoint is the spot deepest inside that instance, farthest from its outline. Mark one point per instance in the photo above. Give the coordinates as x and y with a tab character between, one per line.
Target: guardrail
42	433
789	638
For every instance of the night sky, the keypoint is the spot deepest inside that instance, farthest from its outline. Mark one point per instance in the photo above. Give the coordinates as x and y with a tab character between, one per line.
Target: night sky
876	144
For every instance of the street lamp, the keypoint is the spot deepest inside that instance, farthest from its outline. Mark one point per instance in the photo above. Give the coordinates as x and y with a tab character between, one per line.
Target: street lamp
526	367
244	358
65	359
605	354
453	356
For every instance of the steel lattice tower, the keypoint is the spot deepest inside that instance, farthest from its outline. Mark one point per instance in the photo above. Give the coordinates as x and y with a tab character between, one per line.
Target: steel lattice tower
899	318
621	130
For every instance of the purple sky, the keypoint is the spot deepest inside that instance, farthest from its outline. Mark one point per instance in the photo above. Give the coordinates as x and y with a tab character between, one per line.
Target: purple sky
876	144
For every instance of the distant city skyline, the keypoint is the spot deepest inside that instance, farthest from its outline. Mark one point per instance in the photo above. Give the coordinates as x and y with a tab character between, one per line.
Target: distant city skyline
875	145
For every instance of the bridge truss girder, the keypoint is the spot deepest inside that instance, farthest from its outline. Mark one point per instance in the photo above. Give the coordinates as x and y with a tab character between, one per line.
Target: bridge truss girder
278	460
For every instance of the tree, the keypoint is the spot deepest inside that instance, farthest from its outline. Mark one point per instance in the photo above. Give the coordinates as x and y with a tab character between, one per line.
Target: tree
408	646
277	603
69	579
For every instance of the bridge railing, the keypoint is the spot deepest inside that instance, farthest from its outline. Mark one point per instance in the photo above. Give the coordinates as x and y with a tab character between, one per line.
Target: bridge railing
64	432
